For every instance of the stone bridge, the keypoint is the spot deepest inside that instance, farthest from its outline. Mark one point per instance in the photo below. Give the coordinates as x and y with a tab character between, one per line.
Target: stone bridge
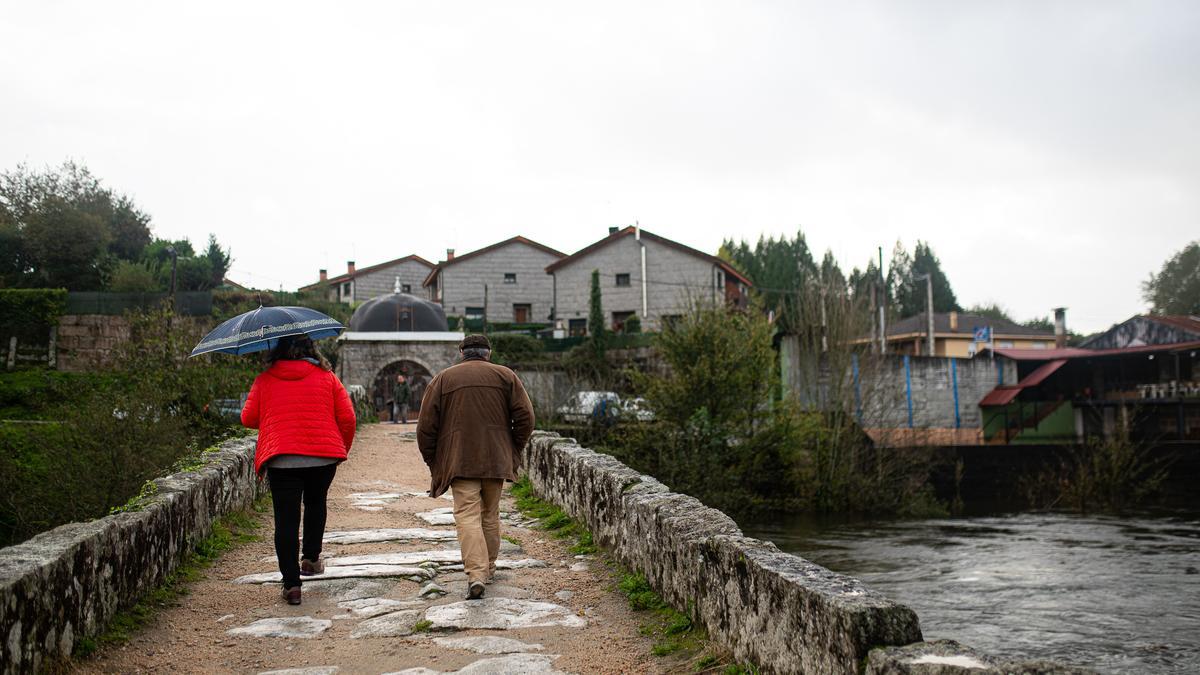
391	599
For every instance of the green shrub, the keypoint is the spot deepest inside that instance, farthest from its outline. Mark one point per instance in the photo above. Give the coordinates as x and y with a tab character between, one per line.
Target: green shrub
114	430
512	348
31	306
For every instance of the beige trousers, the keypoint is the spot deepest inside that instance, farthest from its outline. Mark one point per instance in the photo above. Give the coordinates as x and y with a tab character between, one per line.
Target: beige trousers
477	519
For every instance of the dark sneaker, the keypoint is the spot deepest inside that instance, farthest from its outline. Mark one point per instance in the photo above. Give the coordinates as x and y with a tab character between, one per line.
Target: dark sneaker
310	567
475	591
292	595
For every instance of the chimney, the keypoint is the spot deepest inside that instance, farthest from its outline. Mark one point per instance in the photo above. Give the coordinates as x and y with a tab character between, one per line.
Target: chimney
1060	327
613	229
349	267
953	322
449	254
324	275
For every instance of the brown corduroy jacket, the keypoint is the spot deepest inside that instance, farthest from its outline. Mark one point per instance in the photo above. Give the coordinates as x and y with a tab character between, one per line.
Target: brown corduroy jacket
475	420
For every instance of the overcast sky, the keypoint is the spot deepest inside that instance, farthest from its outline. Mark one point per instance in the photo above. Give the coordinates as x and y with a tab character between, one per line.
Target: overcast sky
1049	151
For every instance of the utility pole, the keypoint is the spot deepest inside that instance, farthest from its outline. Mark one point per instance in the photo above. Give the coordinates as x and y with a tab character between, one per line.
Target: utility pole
928	312
824	324
485	307
882	307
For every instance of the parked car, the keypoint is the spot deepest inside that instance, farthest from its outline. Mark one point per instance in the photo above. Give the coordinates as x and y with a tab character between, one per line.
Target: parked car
588	405
636	409
227	408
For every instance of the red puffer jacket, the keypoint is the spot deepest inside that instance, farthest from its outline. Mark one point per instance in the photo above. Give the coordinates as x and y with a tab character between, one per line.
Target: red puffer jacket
299	409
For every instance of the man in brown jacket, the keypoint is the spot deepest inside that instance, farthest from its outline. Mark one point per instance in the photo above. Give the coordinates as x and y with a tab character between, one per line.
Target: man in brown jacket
475	419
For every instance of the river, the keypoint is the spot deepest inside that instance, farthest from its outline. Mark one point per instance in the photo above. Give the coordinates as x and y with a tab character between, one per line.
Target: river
1120	595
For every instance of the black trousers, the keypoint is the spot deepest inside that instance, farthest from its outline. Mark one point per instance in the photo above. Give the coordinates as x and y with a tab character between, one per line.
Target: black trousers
290	488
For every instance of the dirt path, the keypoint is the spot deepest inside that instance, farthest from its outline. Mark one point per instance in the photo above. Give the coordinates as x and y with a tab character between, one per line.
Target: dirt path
549	613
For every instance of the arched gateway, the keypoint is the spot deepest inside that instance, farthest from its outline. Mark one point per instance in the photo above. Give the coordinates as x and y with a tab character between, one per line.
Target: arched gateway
391	334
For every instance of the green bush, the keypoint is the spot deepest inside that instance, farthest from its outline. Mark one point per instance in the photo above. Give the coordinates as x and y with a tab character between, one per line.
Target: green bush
510	349
32	306
114	430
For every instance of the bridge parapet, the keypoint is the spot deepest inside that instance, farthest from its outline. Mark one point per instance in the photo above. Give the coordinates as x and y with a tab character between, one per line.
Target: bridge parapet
67	583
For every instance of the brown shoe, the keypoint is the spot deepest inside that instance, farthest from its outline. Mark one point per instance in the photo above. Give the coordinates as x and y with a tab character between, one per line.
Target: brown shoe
475	591
311	567
292	595
491	577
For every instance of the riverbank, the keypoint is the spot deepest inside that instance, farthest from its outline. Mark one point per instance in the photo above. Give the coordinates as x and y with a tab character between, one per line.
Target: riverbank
386	543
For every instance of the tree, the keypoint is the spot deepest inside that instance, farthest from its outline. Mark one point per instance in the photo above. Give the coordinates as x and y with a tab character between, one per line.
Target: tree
1176	287
990	310
219	260
62	226
65	246
779	268
596	327
905	279
134	277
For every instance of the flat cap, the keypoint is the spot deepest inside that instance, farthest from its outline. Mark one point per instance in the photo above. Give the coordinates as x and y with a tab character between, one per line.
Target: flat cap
475	341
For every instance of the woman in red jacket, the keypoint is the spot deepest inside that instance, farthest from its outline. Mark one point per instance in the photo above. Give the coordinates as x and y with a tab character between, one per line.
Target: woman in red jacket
306	425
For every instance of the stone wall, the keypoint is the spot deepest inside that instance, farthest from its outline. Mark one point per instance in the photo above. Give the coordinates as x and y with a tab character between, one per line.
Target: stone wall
86	341
882	397
777	610
68	583
359	361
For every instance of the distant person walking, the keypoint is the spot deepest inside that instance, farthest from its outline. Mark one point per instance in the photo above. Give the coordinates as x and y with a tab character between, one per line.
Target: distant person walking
306	425
475	419
401	395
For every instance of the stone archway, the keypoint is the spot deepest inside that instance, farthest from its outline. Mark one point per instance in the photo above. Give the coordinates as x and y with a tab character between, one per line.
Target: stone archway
418	378
362	357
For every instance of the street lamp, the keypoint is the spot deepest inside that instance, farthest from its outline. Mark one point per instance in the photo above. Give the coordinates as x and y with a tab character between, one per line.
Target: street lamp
174	262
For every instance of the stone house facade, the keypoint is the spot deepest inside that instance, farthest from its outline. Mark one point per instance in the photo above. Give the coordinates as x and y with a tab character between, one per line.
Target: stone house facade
506	280
359	285
675	278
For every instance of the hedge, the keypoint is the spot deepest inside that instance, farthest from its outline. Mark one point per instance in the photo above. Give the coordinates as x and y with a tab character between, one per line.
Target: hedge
32	306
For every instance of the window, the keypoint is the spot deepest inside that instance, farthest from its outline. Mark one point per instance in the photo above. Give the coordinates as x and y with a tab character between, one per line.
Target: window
670	320
521	313
510	277
474	312
346	290
1004	344
618	321
1041	345
577	327
406	288
622	280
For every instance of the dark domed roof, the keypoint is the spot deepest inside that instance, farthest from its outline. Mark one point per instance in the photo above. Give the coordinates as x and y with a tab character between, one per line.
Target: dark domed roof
398	312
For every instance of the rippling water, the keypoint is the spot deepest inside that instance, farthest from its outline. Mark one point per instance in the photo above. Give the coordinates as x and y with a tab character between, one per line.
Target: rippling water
1114	594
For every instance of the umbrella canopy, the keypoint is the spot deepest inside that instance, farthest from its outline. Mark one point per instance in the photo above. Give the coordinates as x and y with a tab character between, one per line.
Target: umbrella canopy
260	329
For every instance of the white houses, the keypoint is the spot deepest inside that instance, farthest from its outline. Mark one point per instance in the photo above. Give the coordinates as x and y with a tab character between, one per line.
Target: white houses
506	280
641	274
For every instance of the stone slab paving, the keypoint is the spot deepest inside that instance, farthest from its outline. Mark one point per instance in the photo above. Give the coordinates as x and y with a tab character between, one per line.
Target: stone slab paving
391	599
488	644
514	664
284	627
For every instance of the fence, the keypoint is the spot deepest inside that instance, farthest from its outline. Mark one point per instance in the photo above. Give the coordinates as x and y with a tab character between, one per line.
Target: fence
189	303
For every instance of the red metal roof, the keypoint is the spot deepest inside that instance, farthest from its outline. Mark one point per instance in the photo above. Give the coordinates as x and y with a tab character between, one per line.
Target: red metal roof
1004	395
1187	323
1000	396
1078	353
